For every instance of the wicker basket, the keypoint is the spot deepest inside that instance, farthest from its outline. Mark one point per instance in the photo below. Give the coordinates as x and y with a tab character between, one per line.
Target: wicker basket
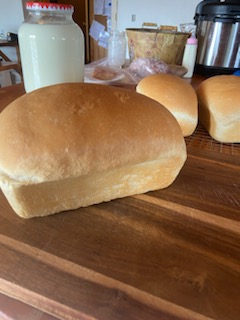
156	43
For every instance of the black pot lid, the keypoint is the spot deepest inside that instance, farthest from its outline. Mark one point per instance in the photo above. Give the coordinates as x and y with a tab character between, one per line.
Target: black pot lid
210	8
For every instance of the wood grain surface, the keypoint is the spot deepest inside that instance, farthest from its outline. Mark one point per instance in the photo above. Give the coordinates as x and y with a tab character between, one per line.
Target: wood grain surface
168	254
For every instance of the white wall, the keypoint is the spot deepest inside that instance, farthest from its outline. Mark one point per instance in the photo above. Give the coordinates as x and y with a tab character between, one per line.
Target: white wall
11	17
162	12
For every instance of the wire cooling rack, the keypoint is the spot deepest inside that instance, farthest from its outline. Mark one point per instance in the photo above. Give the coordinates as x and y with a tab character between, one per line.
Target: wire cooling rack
201	140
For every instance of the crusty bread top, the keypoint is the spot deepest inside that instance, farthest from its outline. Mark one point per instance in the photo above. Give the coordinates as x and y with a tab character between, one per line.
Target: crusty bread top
177	95
221	95
75	129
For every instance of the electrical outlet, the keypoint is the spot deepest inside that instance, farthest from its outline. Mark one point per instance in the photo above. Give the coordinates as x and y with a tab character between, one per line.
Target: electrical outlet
133	17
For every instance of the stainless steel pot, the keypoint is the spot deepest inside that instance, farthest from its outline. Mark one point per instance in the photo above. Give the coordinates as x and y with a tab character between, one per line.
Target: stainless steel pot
218	33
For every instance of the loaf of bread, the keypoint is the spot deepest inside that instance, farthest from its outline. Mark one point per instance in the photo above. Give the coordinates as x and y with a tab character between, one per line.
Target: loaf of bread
219	107
177	95
72	145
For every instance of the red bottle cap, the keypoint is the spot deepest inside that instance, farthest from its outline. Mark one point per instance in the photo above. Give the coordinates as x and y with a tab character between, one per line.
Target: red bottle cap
50	7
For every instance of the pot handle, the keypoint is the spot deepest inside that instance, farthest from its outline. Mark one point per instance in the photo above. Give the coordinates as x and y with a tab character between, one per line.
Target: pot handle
168	28
152	25
147	25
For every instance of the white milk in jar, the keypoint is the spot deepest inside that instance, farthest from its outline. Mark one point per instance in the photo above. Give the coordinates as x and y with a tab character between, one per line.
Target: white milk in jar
51	46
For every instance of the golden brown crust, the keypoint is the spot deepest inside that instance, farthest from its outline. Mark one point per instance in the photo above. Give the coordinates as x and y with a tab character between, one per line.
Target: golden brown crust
176	95
71	131
219	109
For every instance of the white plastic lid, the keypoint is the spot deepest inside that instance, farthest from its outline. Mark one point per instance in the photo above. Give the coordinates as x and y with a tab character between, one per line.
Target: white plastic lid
50	7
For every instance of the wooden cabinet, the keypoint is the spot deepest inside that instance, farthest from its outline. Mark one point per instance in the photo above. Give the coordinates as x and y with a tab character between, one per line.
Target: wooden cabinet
84	16
96	52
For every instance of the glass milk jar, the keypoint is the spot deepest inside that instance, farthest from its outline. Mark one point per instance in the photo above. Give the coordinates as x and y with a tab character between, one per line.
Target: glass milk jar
51	46
116	56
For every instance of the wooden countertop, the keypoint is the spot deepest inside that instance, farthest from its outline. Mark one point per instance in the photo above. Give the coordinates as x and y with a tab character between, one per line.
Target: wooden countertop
168	254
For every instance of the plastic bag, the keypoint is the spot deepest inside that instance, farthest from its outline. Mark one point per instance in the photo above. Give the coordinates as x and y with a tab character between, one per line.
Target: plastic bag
143	67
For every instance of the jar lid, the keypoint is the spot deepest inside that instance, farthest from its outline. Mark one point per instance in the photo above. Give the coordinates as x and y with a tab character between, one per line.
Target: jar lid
50	7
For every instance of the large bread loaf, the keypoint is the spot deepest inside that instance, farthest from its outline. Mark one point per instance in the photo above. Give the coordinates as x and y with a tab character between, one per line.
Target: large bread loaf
177	95
73	145
219	107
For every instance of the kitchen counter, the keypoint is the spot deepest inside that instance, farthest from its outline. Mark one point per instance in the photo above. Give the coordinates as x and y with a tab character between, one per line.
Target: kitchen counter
168	254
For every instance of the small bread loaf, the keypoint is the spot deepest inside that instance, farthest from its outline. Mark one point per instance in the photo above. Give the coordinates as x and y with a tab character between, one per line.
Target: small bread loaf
219	107
176	95
73	145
